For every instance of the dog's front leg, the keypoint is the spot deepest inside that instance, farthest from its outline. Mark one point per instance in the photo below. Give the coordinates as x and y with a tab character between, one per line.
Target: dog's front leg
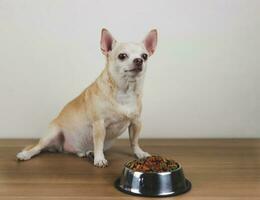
99	133
134	132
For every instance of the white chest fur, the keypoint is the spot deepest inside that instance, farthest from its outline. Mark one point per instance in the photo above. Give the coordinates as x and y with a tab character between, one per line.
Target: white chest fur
127	101
126	109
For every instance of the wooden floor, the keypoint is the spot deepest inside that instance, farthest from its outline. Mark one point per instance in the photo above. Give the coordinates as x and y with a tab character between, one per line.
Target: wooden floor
218	169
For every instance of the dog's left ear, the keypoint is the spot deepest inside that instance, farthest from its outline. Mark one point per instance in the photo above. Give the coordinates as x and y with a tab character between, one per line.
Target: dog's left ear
150	41
107	41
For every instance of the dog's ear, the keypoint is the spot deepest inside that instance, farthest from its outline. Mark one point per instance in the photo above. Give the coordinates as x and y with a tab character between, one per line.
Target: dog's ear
107	41
150	41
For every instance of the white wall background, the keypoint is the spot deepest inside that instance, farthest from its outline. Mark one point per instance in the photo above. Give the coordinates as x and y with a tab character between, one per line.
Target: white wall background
203	81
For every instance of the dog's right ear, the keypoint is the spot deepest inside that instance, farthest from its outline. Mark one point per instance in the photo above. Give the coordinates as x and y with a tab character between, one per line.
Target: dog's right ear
107	41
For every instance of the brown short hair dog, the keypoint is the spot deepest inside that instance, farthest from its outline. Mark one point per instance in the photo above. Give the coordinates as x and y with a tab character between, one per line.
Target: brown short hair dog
103	111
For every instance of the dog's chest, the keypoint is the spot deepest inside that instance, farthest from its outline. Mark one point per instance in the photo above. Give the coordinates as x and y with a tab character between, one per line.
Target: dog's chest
118	120
127	101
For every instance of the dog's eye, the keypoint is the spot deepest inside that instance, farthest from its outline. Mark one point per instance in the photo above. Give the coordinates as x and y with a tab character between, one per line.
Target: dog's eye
144	56
122	56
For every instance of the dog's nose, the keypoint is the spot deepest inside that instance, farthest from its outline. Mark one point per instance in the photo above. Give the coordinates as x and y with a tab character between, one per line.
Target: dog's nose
138	62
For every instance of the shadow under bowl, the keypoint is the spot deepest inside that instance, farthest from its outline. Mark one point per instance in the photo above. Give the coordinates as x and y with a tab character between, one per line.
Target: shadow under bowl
153	184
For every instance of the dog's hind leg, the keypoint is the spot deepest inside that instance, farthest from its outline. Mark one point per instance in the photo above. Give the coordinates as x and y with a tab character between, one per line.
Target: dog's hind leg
52	139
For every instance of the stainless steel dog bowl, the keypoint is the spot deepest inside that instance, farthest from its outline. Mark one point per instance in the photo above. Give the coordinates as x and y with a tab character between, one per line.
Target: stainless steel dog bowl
153	184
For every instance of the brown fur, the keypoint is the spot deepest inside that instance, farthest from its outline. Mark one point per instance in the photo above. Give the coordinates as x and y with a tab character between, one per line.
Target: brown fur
103	110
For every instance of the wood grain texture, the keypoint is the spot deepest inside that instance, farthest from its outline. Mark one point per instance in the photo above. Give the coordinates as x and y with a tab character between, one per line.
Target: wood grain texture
225	169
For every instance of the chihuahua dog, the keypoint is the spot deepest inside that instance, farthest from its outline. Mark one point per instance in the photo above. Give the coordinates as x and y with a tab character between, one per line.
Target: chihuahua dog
89	124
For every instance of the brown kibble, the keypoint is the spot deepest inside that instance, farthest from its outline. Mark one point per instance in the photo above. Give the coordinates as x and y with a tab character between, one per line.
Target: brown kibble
153	164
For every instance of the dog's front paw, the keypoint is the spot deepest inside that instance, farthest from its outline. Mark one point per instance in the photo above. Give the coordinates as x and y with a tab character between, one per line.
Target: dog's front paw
140	153
23	155
100	162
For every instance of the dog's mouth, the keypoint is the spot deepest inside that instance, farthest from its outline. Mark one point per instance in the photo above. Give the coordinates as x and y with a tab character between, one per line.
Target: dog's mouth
135	70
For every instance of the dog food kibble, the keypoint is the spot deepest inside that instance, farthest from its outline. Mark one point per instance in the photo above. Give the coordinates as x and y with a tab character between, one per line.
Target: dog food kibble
153	164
